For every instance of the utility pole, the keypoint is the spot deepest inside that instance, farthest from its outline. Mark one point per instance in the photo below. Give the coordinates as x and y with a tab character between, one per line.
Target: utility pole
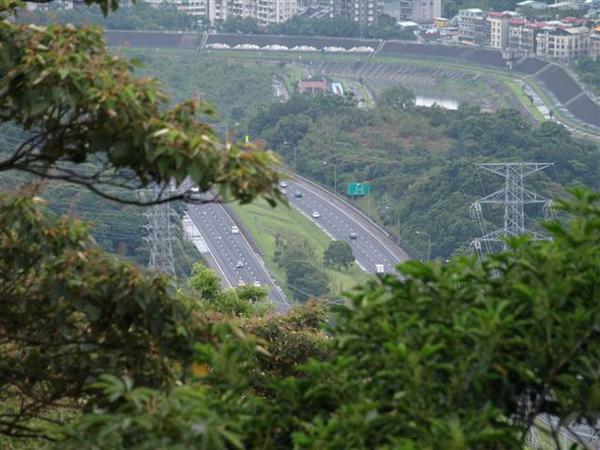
428	242
513	197
398	221
334	174
160	238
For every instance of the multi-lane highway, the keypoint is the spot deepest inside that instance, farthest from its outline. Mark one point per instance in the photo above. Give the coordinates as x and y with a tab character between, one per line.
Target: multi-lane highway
229	249
373	249
235	259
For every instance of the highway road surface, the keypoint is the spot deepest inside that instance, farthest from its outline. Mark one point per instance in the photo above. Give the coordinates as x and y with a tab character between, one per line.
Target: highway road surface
228	249
374	250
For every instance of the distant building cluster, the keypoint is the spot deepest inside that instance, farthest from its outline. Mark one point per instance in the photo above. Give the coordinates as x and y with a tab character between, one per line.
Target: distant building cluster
266	12
528	31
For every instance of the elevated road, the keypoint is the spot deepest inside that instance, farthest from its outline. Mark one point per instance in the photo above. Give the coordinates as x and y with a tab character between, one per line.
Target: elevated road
374	250
228	249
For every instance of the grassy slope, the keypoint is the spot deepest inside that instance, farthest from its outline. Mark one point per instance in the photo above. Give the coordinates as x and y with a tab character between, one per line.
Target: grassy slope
265	223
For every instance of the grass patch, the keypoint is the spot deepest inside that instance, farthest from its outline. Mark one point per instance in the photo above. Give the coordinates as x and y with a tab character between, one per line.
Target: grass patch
265	223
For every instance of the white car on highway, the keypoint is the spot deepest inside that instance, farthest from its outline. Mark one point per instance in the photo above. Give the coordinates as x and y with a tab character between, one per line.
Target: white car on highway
316	214
235	229
195	193
256	283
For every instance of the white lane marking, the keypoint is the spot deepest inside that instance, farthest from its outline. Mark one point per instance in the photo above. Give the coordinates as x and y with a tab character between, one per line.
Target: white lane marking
259	260
309	188
327	233
216	261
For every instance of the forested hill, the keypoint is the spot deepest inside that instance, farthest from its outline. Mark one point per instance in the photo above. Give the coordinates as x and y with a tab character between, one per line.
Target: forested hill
422	160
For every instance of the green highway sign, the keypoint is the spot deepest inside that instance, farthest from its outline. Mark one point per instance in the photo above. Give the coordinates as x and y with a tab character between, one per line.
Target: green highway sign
359	188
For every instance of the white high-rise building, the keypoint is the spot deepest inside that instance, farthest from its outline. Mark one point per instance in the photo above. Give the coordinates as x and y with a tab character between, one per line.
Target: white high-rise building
275	11
217	10
264	11
415	10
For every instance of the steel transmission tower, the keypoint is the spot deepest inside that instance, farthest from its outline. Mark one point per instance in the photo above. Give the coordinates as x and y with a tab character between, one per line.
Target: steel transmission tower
160	237
513	196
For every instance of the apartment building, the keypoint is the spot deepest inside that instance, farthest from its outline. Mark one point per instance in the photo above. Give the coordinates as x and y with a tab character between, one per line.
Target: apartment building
421	11
594	47
275	11
191	7
522	36
364	12
425	10
498	29
563	44
217	10
242	8
472	26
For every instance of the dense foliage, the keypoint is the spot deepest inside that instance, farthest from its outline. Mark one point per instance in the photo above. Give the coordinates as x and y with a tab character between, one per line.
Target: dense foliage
235	89
589	72
73	315
139	16
69	312
458	356
422	160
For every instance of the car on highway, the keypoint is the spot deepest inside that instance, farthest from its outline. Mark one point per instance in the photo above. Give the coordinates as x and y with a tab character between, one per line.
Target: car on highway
235	229
316	214
239	265
256	283
195	193
298	194
353	235
241	283
283	184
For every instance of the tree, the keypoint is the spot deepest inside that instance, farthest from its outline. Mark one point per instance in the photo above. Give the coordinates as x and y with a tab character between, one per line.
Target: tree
246	25
386	28
338	254
77	103
69	313
306	280
252	294
398	98
205	281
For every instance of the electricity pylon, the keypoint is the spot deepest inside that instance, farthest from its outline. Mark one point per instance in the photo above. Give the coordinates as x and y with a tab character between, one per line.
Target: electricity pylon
160	237
513	196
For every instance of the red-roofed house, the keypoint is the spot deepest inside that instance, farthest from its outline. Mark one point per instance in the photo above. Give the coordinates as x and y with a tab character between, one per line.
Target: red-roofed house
575	21
312	86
